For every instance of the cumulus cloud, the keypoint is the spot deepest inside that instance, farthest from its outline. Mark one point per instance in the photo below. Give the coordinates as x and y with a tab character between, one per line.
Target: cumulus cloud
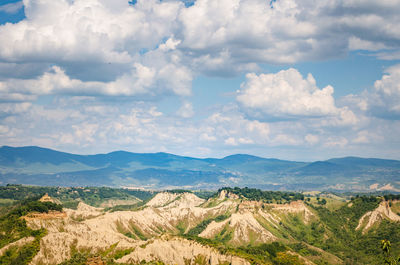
382	100
285	94
83	55
212	37
95	41
81	30
385	99
244	32
85	124
140	81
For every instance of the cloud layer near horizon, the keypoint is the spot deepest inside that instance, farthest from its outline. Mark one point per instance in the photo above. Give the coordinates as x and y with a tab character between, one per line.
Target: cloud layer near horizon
88	75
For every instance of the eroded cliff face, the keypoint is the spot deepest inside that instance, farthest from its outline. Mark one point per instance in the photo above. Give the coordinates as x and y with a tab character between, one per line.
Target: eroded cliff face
153	233
382	212
179	251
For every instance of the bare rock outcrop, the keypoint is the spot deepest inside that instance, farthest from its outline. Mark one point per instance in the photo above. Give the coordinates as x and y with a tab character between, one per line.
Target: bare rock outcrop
295	207
179	251
382	212
245	229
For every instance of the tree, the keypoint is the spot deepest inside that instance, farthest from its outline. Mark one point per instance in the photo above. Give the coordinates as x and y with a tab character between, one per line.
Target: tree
386	246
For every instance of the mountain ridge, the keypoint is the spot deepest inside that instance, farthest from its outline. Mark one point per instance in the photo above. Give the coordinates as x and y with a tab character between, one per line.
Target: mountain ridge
43	166
195	158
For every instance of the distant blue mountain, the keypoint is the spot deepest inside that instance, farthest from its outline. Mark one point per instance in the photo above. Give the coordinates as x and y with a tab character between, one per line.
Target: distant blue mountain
40	166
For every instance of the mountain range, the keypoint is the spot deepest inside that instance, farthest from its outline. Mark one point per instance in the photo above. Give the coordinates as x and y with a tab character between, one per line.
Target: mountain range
33	165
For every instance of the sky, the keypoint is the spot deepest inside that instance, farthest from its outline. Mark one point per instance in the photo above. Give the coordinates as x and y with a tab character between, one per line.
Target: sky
301	80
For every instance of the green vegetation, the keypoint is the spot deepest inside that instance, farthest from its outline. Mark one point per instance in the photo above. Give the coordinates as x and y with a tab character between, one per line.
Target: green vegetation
24	254
84	258
334	231
137	231
348	243
390	197
304	250
128	207
312	233
13	228
122	252
68	196
201	226
179	191
108	256
275	253
331	231
204	194
386	246
265	196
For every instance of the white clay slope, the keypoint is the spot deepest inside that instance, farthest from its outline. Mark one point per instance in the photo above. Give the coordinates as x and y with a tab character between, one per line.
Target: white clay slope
92	228
383	211
179	251
243	225
101	230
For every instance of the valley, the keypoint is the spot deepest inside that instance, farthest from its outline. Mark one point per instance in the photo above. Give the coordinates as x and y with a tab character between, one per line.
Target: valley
179	227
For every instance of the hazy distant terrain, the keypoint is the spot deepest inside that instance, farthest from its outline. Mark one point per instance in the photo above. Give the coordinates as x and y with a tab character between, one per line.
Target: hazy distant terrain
40	166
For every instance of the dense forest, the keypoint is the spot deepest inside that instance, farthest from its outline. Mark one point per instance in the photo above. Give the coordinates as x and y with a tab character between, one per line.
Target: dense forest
265	196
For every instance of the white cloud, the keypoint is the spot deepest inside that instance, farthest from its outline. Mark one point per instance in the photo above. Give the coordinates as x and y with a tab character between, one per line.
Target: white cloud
212	37
14	108
235	129
231	141
243	32
364	137
96	47
333	141
11	8
285	94
84	133
384	100
286	140
75	74
186	110
4	129
86	30
85	124
359	44
246	30
142	80
311	139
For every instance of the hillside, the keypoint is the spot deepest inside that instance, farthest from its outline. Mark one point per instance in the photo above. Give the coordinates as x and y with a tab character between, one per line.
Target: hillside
227	228
40	166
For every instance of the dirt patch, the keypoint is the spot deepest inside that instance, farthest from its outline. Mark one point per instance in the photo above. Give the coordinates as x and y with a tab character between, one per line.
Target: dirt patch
43	216
95	261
